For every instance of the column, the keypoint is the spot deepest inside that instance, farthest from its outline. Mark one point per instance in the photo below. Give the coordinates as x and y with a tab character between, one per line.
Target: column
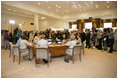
36	22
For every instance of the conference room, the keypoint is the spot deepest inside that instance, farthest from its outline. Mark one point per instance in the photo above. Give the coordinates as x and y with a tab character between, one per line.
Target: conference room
59	39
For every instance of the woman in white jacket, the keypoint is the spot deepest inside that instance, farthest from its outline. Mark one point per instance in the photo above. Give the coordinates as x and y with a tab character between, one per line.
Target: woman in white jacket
71	44
24	44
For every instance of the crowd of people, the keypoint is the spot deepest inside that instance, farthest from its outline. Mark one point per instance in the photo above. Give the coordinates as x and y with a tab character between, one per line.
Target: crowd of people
96	39
102	40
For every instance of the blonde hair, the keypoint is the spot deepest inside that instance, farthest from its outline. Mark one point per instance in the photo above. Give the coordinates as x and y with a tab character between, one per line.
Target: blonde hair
42	36
72	37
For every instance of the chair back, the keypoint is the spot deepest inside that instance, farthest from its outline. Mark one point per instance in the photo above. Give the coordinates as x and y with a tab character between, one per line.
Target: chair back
16	50
76	50
42	52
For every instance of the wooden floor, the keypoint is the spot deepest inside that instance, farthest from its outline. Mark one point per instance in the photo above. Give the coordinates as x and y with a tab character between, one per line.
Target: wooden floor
94	64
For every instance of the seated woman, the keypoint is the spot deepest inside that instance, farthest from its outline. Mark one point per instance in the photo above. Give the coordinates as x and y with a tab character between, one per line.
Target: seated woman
24	44
43	43
78	40
71	44
37	38
64	39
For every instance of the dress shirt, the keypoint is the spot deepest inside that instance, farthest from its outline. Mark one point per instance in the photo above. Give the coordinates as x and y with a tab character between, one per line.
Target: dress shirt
24	44
42	43
71	44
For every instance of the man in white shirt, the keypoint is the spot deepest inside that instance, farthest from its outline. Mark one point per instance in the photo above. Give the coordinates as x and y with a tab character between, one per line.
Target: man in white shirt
43	43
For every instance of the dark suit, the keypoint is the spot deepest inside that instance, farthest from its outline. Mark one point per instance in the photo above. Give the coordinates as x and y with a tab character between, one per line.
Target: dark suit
88	39
83	37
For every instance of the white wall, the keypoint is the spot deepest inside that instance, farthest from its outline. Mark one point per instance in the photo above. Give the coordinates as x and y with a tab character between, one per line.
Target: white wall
43	24
52	23
18	20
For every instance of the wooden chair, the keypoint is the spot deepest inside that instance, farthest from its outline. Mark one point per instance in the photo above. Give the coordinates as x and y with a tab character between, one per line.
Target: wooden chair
43	53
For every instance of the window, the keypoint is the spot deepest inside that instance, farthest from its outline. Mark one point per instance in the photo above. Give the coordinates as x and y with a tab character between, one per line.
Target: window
107	25
88	25
74	26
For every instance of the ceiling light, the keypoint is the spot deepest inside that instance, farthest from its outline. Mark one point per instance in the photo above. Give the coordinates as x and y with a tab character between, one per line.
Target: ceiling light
39	3
107	6
20	25
49	7
59	7
46	1
107	2
97	6
14	10
12	21
56	5
75	7
30	14
42	17
9	9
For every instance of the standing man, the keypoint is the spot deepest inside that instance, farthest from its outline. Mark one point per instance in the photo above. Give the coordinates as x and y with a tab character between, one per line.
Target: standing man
99	39
111	40
88	38
83	37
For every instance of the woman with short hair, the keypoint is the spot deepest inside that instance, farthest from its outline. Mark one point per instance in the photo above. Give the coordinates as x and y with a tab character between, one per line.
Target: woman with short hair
24	44
71	44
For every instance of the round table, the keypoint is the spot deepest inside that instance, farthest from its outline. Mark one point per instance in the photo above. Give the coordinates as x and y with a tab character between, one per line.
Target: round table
56	50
